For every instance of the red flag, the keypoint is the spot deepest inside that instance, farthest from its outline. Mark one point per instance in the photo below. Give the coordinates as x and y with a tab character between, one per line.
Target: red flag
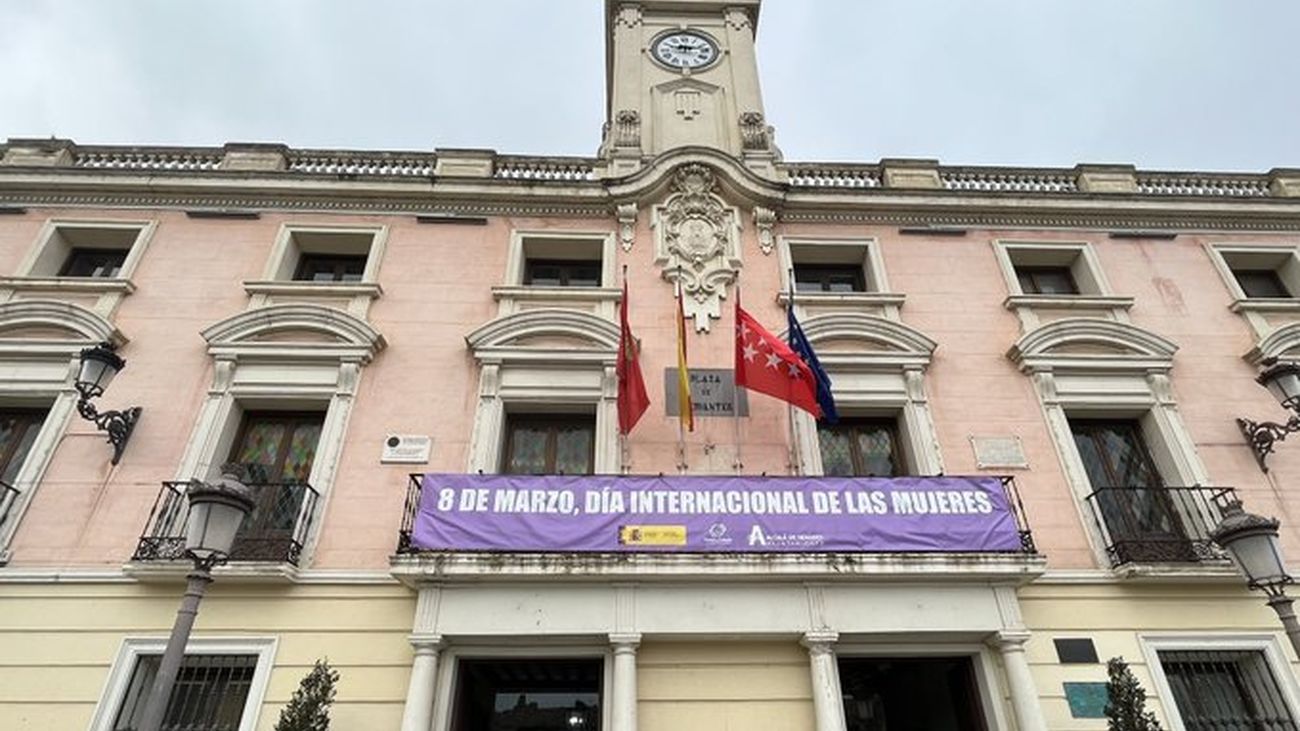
767	365
632	398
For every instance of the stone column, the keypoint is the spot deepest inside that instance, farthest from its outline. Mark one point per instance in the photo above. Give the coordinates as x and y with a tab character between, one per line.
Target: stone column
623	706
1010	644
418	713
828	703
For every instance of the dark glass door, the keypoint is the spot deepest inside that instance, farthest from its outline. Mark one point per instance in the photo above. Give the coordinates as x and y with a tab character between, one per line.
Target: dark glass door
910	694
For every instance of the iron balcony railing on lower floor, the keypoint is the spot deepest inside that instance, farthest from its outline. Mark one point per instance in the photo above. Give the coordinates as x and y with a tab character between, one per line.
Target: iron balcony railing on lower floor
276	530
413	493
1159	524
8	498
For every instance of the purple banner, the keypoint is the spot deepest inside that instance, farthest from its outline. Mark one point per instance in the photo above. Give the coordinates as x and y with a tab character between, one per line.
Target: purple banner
713	514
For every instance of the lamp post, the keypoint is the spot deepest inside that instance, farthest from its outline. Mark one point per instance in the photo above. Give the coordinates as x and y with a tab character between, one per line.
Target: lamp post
1252	542
216	511
1282	379
98	367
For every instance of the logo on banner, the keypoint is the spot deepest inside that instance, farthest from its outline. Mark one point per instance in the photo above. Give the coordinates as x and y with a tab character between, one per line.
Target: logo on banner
717	535
652	535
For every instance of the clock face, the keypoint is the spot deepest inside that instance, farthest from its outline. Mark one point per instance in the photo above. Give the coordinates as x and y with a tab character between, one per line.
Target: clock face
685	50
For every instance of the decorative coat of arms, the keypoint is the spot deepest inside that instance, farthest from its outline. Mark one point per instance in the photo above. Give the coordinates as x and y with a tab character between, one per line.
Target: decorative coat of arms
697	242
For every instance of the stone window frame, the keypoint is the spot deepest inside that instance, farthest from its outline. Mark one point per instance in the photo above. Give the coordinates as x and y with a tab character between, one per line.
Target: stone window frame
515	296
38	272
1266	643
877	299
1128	378
251	374
129	652
1096	297
993	693
43	371
516	375
277	283
519	648
887	382
1255	310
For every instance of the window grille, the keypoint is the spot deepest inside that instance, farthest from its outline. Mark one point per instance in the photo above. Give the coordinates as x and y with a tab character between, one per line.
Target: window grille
209	694
1226	691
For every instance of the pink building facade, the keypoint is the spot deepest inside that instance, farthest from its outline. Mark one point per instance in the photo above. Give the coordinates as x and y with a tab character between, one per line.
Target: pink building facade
344	319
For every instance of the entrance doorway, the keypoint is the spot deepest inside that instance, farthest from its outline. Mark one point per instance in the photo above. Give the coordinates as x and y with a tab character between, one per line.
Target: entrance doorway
910	694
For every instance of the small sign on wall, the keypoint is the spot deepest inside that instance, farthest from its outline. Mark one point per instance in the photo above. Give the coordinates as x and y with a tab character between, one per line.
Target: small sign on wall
406	449
712	392
999	453
1086	700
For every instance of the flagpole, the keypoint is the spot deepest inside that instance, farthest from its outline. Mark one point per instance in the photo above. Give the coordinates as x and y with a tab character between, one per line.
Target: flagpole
679	320
739	464
792	439
624	452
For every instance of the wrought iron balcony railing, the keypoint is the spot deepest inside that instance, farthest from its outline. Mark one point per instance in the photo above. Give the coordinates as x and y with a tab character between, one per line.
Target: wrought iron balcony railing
276	530
412	506
8	497
1159	524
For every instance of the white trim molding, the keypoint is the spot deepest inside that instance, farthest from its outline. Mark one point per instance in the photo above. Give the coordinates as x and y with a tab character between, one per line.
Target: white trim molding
877	367
863	252
277	284
1080	343
38	272
597	246
545	359
239	336
40	371
128	654
1263	314
1283	343
1268	645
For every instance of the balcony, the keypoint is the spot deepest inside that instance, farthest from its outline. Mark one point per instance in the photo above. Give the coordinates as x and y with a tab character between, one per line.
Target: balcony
1164	525
274	532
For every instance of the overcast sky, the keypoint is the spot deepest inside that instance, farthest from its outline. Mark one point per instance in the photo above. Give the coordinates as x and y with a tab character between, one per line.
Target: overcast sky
1164	84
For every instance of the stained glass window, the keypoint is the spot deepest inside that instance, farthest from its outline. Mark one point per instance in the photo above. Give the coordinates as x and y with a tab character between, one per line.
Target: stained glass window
278	447
860	448
548	445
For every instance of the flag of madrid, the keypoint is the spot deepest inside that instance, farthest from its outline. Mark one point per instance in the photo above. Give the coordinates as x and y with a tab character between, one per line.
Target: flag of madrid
766	364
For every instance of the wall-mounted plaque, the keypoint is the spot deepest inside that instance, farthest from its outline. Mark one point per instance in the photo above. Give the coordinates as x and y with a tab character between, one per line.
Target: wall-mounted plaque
406	449
1086	700
712	392
993	453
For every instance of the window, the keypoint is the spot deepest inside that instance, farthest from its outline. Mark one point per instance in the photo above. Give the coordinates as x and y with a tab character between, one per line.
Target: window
1046	280
278	447
330	268
1114	453
829	278
528	695
94	263
549	445
209	695
860	448
1225	689
561	273
18	430
1257	283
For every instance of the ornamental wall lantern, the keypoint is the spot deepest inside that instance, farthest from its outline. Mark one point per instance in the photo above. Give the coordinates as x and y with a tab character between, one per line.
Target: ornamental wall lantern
1252	542
217	510
1283	381
98	367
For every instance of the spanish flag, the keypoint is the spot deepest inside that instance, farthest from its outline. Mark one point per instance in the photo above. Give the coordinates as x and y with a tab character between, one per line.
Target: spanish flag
685	409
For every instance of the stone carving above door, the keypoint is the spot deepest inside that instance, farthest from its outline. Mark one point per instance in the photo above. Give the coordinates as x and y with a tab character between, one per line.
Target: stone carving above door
697	242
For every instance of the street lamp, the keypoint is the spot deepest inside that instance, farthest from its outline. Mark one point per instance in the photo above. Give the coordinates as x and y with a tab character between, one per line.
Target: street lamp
1283	381
216	511
1252	542
98	366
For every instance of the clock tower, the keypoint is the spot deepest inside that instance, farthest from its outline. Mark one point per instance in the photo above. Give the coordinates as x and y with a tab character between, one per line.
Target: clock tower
683	73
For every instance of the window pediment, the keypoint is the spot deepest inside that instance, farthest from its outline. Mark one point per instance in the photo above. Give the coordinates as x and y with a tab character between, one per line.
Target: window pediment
295	331
1282	343
1092	344
850	338
545	334
61	325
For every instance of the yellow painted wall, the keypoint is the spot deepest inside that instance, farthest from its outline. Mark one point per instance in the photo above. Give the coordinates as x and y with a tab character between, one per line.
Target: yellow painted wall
58	641
724	686
1114	616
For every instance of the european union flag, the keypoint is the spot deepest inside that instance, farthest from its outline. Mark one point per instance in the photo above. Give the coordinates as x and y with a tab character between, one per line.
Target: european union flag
800	345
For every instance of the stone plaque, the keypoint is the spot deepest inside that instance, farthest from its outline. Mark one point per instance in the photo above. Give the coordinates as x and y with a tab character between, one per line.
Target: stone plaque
1086	700
406	449
999	453
712	391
